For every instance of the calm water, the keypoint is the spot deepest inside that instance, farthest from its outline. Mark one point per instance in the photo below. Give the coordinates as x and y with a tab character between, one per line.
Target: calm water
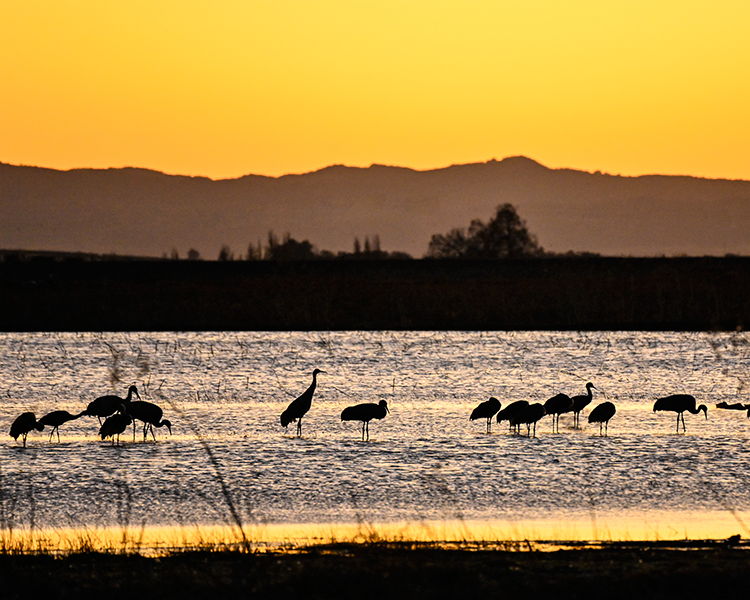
425	463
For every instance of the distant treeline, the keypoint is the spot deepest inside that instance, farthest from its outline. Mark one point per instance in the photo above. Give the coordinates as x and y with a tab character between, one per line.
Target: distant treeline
554	293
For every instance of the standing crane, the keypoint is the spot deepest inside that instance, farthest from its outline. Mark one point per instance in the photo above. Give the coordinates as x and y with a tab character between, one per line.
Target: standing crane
557	405
105	406
365	413
114	426
151	416
56	418
299	407
510	411
581	402
601	414
23	424
486	410
528	415
680	403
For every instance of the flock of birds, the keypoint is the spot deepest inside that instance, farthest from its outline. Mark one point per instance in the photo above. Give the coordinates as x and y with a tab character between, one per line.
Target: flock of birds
119	413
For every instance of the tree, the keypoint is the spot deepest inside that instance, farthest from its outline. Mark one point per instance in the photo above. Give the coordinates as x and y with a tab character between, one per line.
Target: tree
289	249
504	236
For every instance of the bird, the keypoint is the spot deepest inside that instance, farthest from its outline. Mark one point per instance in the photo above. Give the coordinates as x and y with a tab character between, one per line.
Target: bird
151	415
581	402
528	415
23	424
510	411
57	418
601	414
299	407
680	403
486	410
735	406
105	406
365	413
114	426
555	406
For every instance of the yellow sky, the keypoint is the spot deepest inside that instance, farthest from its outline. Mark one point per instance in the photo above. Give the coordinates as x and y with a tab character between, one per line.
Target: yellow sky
228	87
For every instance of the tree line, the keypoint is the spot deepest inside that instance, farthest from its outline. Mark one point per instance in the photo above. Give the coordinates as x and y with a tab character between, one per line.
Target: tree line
505	235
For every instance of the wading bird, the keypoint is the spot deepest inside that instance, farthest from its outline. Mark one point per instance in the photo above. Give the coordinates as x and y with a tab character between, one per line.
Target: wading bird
365	413
114	426
680	403
57	418
151	416
557	405
510	411
299	407
528	415
486	410
735	406
105	406
581	402
601	414
24	423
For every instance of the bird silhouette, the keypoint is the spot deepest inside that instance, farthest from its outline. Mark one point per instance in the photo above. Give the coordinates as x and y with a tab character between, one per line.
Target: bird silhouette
57	418
735	406
680	403
365	413
581	402
557	405
486	410
510	411
151	416
299	407
105	406
601	414
528	415
23	424
113	426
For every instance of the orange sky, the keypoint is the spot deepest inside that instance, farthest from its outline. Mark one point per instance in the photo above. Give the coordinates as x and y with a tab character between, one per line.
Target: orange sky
271	87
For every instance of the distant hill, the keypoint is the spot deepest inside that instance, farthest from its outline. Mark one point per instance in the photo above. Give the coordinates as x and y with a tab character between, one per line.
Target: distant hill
140	212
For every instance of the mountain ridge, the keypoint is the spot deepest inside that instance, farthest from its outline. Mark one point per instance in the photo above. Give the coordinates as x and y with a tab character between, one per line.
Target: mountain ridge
133	210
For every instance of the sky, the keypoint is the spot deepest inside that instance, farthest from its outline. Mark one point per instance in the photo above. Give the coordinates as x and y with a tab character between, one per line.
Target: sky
224	88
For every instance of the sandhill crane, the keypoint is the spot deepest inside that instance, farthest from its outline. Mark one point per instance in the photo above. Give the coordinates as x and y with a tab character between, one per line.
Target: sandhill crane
510	411
299	407
23	424
680	403
486	410
151	415
735	406
105	406
528	415
601	414
580	402
557	405
56	418
365	413
114	426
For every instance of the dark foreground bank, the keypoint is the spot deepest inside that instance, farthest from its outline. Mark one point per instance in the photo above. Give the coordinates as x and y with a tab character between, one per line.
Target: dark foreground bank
676	294
386	572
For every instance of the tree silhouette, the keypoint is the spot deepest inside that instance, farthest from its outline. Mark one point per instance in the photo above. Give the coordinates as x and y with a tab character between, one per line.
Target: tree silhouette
504	236
288	249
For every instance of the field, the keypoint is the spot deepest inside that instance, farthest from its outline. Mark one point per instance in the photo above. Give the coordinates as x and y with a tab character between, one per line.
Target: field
596	293
389	571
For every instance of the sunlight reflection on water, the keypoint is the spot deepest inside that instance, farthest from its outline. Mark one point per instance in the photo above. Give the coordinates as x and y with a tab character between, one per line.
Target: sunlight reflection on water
425	463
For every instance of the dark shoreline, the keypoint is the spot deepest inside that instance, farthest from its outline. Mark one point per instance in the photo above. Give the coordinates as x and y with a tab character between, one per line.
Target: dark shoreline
591	293
637	570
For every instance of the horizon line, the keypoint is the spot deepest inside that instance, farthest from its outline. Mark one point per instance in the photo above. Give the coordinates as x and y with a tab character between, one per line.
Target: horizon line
372	165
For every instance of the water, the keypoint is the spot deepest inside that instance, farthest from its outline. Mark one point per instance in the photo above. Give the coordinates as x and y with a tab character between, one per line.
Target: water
426	464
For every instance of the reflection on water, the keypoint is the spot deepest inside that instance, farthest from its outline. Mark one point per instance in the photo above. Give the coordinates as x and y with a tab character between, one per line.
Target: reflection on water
427	472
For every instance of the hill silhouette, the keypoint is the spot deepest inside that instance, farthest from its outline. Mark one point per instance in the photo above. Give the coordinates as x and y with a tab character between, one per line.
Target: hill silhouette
141	212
